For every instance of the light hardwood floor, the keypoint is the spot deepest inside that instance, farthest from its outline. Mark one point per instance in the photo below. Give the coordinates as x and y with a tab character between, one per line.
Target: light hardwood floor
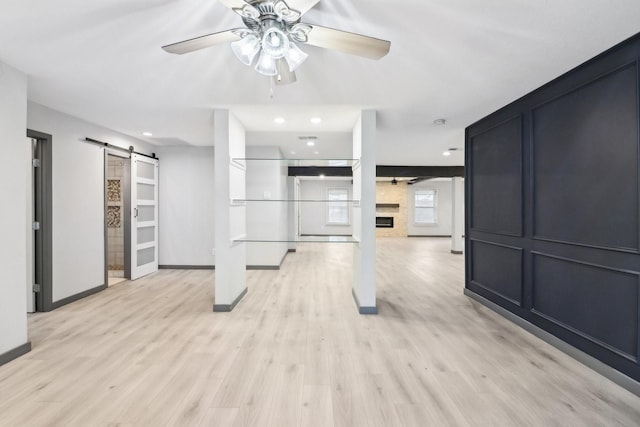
295	352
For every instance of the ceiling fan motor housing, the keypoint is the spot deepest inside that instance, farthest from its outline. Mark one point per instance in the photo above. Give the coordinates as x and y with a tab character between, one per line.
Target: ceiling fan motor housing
259	16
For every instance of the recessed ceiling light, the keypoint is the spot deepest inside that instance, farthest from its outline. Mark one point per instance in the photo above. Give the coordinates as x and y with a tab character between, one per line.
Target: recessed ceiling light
147	134
316	120
321	176
292	152
439	122
311	143
446	153
278	120
316	152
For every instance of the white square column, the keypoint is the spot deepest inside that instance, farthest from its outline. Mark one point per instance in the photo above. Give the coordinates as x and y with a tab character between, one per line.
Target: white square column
293	190
230	214
457	213
364	213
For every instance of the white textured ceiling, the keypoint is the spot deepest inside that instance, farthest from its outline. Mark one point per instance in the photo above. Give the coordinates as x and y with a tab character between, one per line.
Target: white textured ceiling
100	60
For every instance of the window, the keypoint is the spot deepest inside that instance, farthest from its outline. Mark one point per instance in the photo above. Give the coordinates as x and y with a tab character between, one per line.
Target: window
337	206
424	207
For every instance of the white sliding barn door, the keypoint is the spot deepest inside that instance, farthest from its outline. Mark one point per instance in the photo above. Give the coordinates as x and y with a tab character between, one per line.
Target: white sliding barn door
144	216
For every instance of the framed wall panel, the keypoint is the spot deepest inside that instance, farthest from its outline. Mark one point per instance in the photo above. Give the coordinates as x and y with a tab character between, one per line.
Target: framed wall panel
553	208
585	164
497	269
496	176
596	302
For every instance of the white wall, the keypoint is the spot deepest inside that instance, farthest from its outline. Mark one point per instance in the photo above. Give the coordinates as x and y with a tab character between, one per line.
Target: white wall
443	205
15	165
186	206
78	197
266	220
313	216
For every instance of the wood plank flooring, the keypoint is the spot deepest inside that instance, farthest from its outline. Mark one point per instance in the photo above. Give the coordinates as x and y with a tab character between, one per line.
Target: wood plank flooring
295	352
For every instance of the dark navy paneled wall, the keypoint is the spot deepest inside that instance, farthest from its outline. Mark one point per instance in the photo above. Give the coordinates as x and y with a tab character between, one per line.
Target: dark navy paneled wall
553	207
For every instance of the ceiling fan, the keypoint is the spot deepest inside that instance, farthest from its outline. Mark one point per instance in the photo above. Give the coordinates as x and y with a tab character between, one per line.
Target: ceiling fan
272	30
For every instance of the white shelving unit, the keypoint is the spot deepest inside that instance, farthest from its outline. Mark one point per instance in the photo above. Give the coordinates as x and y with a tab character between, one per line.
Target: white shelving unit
303	239
231	232
321	163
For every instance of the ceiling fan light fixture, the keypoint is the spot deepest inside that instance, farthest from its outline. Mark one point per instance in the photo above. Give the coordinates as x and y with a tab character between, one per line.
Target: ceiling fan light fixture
266	64
275	43
295	56
246	48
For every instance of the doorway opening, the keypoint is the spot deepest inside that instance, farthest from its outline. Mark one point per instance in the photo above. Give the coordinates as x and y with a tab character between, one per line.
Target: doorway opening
117	224
131	215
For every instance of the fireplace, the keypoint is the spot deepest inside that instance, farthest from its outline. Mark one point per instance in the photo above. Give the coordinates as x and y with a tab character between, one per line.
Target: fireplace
384	222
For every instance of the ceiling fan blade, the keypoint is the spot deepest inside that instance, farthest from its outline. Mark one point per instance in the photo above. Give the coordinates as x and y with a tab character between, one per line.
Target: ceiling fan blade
233	4
343	41
284	76
202	42
301	6
419	179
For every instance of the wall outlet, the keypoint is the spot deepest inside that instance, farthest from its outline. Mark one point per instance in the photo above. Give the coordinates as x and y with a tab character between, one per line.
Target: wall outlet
213	251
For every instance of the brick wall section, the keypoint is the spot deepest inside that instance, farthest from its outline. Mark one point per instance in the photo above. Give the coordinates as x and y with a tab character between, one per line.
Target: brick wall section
388	193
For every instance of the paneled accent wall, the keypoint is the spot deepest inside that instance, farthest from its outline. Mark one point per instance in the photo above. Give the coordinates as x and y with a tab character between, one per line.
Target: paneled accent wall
553	207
